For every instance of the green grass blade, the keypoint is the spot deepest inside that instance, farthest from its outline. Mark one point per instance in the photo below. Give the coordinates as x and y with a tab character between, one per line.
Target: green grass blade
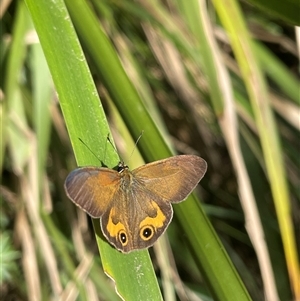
275	69
15	127
287	10
42	93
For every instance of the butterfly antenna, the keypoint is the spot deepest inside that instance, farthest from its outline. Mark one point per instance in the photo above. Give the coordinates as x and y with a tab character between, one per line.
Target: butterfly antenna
89	149
109	140
136	143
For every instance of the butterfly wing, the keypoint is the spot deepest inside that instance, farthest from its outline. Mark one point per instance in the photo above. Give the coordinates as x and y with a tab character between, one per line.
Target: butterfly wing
155	214
114	222
92	188
172	179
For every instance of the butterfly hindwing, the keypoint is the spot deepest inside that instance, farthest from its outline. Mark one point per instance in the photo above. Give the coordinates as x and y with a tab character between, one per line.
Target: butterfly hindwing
135	220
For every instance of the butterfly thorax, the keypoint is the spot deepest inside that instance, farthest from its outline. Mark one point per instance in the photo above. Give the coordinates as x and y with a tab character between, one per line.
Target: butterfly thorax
126	175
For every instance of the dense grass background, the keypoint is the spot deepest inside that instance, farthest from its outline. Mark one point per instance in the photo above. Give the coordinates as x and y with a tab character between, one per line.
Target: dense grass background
218	79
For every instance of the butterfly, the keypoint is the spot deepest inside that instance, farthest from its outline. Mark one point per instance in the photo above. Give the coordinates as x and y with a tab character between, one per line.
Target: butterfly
134	207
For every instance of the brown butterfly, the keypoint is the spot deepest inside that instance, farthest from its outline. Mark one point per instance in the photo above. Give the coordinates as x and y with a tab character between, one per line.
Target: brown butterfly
134	207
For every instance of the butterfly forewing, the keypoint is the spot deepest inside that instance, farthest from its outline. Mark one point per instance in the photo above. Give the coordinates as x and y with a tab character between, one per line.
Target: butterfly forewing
92	188
174	178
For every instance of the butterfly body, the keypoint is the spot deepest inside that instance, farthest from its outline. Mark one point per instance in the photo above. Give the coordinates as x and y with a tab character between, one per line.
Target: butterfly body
134	207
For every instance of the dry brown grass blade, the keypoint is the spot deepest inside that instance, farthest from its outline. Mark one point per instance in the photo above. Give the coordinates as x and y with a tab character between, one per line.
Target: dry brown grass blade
29	257
70	293
32	204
